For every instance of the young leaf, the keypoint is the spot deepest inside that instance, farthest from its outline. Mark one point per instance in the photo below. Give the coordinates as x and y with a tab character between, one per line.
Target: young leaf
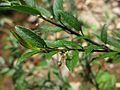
71	20
26	55
72	60
104	33
30	38
57	6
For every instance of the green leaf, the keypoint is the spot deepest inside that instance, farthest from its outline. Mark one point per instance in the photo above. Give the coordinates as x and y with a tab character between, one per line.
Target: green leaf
62	43
32	40
49	55
71	20
21	40
105	55
106	80
49	29
104	33
23	9
26	55
111	41
72	60
89	49
114	42
57	6
44	12
117	32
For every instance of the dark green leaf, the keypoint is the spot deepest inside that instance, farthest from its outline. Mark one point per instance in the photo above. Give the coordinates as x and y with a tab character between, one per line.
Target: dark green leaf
104	33
30	38
72	60
57	6
22	8
71	20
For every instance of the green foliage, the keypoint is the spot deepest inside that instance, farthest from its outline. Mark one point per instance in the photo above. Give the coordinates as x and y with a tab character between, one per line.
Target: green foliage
72	60
71	20
26	55
106	80
32	40
69	48
57	6
23	8
113	42
48	29
104	33
44	11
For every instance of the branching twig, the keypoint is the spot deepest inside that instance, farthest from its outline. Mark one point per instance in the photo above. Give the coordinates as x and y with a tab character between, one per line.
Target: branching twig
68	30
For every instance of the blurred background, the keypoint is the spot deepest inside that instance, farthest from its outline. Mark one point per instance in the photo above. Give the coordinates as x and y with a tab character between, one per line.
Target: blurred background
39	72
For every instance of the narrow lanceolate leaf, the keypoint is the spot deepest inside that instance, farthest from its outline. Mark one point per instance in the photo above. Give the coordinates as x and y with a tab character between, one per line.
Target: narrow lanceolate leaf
62	43
33	41
71	20
23	9
57	6
26	55
104	33
72	60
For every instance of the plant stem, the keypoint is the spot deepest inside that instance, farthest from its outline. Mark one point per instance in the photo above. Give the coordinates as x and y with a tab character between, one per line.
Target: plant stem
68	30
